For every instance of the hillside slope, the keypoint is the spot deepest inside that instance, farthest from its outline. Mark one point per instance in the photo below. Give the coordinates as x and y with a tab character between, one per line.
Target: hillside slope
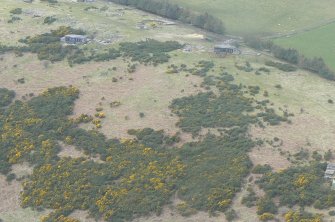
243	17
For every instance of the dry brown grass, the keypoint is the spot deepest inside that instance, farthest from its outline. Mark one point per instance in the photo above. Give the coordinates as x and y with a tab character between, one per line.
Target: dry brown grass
309	131
268	155
70	151
9	195
150	91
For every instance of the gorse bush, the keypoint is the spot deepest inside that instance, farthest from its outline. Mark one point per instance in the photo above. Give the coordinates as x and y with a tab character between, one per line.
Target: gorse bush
30	132
302	185
149	52
132	177
6	97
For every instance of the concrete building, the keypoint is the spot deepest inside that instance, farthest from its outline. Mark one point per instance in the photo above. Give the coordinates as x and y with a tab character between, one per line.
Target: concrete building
88	1
225	49
74	39
330	174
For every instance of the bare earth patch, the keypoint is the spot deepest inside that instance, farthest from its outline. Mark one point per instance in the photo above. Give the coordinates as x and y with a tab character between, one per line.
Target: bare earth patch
22	169
70	151
269	155
9	195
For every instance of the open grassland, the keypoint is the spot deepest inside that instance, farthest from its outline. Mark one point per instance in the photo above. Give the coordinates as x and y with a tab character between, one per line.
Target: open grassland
264	16
315	43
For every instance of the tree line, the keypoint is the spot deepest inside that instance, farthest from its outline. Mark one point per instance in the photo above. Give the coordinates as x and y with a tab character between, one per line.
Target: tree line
174	11
315	65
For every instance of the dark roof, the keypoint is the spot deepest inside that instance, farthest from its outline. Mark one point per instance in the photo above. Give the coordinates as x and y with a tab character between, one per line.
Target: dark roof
225	46
76	36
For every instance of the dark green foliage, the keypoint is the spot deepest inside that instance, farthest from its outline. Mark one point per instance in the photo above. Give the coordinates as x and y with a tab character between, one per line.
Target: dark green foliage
231	215
278	86
49	20
263	69
111	54
4	49
6	97
331	213
14	19
152	138
149	52
253	90
29	126
316	156
250	199
90	8
289	55
16	11
207	110
281	66
143	178
48	45
303	216
10	177
173	11
262	169
79	56
258	43
318	66
266	205
328	155
246	68
201	68
303	186
215	171
133	177
50	1
185	210
302	155
271	117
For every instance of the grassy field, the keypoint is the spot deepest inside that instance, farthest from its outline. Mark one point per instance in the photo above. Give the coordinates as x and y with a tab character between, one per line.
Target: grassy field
150	89
265	16
318	42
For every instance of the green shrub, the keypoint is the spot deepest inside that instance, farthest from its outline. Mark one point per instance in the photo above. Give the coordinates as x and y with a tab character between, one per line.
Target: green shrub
185	210
266	205
250	199
281	66
149	52
16	11
231	215
49	20
301	185
6	97
262	169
